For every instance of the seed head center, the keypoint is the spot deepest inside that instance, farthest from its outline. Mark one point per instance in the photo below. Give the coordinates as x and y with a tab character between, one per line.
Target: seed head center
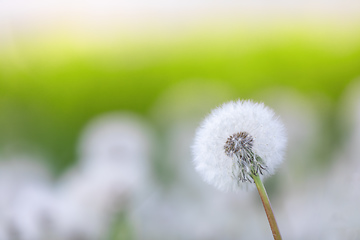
238	143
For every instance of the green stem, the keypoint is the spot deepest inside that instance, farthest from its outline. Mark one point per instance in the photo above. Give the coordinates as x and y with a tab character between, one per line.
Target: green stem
121	228
267	206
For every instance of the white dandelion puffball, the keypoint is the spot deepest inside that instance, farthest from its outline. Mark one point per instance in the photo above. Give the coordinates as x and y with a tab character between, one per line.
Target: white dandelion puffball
237	140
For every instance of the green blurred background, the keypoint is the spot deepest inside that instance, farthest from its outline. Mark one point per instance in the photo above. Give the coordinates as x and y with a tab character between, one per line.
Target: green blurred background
54	79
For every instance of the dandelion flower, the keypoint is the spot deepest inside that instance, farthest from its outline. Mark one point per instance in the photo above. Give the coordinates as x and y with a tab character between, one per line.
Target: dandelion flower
236	139
237	145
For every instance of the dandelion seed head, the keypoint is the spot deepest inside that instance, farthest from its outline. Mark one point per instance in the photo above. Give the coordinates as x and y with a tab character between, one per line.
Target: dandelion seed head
235	139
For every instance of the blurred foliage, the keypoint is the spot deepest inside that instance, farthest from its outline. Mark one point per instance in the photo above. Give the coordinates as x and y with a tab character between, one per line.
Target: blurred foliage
51	85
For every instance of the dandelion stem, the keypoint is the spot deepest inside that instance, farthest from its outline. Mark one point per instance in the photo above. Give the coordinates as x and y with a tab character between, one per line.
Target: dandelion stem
267	206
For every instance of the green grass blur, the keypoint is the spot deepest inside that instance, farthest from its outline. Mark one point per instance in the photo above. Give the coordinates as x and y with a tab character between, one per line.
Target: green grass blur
52	85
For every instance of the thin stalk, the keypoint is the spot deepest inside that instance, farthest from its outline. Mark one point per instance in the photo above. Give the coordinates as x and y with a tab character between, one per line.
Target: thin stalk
267	206
120	228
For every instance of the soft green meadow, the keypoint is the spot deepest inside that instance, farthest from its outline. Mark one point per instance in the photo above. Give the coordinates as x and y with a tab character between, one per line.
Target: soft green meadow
51	85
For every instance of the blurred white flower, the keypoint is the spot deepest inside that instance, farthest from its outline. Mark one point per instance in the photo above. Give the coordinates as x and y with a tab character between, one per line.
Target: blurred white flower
76	219
116	138
115	151
235	139
32	213
25	198
19	172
